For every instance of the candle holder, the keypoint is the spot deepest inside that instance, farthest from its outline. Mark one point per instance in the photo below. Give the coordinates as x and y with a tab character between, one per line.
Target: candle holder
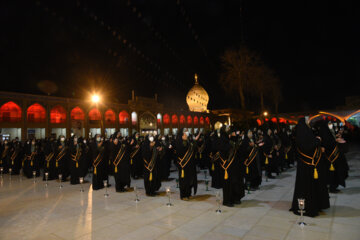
136	191
1	172
34	176
46	179
207	185
106	191
177	183
301	202
168	193
60	179
218	200
248	187
10	172
81	180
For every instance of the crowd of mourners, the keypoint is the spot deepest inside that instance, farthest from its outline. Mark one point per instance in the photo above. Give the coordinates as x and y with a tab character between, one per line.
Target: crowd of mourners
235	158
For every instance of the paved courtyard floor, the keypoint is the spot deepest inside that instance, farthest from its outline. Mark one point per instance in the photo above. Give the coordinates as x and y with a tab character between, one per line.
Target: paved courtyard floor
31	211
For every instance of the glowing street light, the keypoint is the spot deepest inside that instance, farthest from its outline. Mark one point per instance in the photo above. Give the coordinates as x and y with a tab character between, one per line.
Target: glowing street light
95	98
265	113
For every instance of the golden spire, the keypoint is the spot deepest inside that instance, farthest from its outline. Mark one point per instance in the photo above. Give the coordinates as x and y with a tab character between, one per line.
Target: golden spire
196	79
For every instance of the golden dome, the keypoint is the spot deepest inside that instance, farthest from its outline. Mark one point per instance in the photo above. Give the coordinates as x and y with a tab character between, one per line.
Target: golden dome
197	98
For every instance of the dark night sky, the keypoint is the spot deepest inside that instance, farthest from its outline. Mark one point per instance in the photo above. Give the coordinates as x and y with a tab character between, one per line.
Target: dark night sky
312	46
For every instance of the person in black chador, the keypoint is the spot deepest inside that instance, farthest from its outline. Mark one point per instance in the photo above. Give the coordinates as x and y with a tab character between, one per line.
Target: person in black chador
120	159
251	161
62	159
49	163
17	154
268	153
185	150
136	160
32	159
229	158
5	156
98	163
336	165
165	158
151	150
215	168
309	171
76	162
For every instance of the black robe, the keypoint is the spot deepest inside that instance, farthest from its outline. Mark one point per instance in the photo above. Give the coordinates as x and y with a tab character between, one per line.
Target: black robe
251	161
17	155
99	165
268	155
165	160
215	168
306	184
335	163
120	160
32	160
151	158
62	161
136	161
186	166
49	163
76	162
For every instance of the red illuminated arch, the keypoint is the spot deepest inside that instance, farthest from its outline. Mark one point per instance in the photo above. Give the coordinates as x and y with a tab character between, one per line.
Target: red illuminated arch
258	122
274	120
57	114
77	114
196	120
174	119
201	120
166	118
189	120
94	115
182	119
10	112
123	117
207	120
110	116
36	113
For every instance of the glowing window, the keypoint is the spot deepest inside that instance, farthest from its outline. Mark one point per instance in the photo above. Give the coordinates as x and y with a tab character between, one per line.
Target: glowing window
36	113
123	117
174	119
110	116
166	118
133	118
77	114
94	115
201	120
10	112
57	114
196	120
189	120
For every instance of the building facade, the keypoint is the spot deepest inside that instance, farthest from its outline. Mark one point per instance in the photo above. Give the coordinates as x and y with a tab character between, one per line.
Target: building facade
26	115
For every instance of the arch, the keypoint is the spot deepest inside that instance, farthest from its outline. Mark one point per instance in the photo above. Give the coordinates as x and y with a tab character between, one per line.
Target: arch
166	119
196	120
36	113
158	117
134	118
94	115
182	119
77	114
110	116
174	119
147	121
123	117
58	114
207	120
10	112
202	120
189	120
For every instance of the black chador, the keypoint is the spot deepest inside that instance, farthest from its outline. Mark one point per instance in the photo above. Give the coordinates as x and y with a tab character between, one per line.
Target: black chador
165	158
151	156
249	152
215	168
120	160
62	159
268	151
49	163
308	184
76	163
16	157
5	156
334	161
200	153
136	160
98	163
31	161
185	150
233	179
